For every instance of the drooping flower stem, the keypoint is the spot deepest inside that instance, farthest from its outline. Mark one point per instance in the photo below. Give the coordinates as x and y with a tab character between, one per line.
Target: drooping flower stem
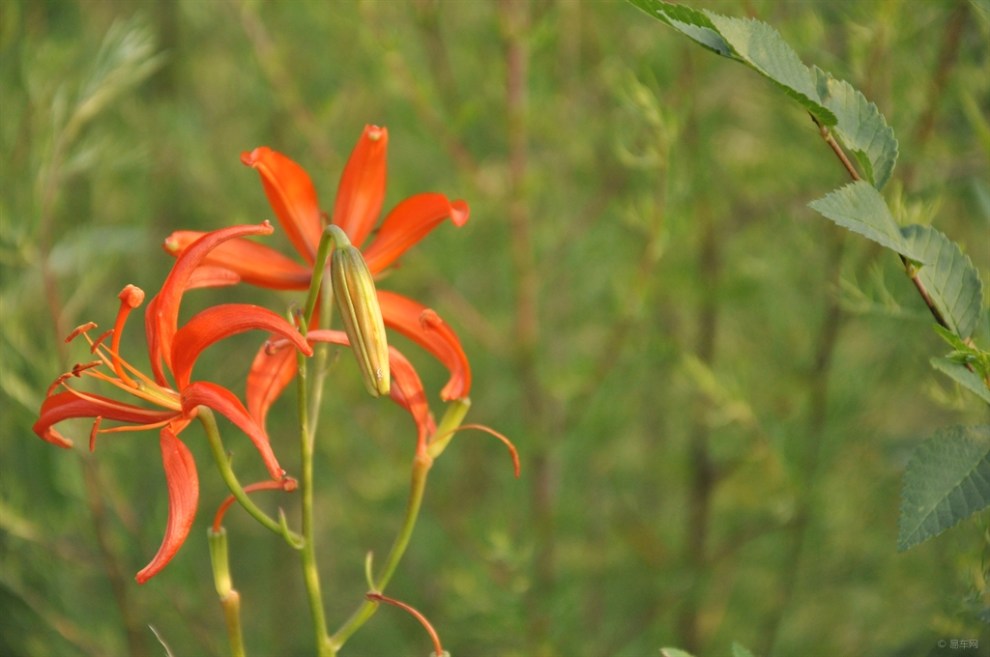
209	422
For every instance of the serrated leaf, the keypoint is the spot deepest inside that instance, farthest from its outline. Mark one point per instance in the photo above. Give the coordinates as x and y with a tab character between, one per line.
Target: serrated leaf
689	22
739	650
859	207
854	120
963	376
947	480
761	47
949	276
860	127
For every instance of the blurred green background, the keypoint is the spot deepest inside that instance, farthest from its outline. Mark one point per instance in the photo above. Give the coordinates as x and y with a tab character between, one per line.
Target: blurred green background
714	391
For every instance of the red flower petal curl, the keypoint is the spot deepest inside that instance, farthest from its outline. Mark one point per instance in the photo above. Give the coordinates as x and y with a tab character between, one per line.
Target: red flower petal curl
409	222
424	326
68	405
291	194
182	482
162	315
218	322
362	185
211	395
255	264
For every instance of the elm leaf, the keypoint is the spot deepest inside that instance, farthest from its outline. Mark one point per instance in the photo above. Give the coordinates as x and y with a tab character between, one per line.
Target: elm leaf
950	278
860	208
947	480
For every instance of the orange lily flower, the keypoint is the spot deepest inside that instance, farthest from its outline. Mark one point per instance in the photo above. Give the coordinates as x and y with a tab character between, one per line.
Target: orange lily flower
360	196
173	351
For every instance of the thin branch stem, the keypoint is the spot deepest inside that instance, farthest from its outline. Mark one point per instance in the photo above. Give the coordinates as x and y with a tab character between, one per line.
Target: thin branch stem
826	134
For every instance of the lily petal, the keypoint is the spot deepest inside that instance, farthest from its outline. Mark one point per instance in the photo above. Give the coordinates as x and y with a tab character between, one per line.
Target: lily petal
291	194
270	373
407	389
424	326
255	264
219	322
68	405
409	222
204	393
362	185
210	276
182	482
162	314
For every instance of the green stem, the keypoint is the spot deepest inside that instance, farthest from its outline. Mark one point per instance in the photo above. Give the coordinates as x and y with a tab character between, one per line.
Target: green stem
309	401
230	600
311	573
322	253
209	422
420	471
232	615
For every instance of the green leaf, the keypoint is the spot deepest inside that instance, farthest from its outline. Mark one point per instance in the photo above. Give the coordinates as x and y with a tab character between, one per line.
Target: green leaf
855	121
963	376
739	650
689	22
860	127
947	480
859	207
674	652
760	46
949	276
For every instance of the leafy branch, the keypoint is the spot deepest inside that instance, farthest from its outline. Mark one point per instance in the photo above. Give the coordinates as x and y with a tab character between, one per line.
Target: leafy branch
942	274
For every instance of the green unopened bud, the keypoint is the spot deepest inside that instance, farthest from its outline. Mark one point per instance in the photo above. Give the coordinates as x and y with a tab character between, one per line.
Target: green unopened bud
354	292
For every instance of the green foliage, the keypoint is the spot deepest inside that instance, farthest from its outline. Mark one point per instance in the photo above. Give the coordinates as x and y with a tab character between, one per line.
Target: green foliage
860	127
964	376
949	277
665	197
947	480
674	652
859	207
833	103
739	650
945	277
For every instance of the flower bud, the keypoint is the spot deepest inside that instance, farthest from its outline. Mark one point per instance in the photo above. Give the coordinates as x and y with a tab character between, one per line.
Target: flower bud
357	300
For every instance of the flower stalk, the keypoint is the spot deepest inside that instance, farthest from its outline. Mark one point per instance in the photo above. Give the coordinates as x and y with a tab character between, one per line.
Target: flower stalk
209	422
230	599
